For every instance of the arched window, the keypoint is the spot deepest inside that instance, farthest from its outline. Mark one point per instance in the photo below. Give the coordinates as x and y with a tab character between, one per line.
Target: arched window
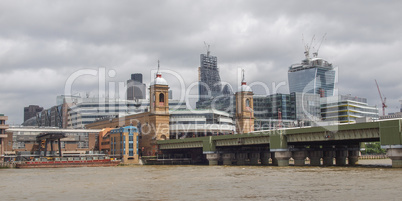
163	137
161	98
247	102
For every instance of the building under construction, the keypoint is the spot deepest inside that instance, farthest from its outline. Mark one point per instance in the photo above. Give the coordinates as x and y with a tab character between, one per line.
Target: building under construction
208	76
211	94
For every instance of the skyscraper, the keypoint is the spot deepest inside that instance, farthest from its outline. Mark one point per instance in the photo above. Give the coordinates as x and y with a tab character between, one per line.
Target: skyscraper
135	88
137	77
211	93
208	75
313	75
31	111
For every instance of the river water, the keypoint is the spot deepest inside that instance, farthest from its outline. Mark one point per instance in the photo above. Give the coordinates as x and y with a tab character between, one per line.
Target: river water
368	182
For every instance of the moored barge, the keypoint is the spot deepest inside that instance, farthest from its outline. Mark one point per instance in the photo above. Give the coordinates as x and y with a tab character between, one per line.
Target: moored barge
69	162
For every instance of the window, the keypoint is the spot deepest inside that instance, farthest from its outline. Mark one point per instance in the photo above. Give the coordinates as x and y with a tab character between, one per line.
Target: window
161	98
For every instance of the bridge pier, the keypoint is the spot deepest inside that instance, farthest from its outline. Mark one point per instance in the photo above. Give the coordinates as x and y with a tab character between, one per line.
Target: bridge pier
395	154
254	158
265	158
274	159
299	157
353	154
241	158
328	156
213	158
353	157
340	155
283	157
227	158
315	157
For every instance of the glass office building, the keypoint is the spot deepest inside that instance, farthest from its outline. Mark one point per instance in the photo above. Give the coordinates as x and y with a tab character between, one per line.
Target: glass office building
307	108
289	110
346	109
313	75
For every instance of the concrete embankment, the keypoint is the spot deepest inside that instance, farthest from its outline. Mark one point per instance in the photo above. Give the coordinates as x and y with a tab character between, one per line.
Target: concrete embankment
362	157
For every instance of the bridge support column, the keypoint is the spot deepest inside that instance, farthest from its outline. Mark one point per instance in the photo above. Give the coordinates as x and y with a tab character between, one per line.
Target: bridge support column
59	143
274	159
47	141
341	154
254	158
353	155
315	157
241	158
265	158
299	157
213	158
283	157
395	154
328	156
227	158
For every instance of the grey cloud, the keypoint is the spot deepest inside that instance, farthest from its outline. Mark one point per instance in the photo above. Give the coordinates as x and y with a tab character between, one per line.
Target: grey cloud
363	39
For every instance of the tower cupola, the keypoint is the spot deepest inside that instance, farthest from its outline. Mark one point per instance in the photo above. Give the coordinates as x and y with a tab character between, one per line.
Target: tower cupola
158	79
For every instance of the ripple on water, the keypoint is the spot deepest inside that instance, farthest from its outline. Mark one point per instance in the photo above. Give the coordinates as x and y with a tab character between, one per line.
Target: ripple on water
201	183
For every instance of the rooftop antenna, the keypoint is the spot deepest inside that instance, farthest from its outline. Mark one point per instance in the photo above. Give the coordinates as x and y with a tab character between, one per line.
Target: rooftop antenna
315	54
207	46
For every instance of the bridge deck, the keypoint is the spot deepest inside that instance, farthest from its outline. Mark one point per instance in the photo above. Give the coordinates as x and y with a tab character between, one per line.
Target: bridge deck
359	132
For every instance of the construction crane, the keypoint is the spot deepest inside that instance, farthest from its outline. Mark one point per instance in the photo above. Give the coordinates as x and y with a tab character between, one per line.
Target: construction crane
307	47
382	100
207	47
315	54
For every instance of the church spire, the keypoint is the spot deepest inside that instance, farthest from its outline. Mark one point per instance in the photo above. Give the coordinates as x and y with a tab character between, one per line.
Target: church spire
243	82
243	86
158	74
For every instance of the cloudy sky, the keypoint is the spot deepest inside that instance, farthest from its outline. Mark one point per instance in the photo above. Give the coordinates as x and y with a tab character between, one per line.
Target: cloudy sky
44	43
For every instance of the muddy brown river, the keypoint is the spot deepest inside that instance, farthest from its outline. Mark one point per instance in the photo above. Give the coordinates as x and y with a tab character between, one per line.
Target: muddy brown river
377	181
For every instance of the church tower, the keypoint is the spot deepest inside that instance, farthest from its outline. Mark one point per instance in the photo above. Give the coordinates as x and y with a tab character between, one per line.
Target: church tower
159	95
159	107
244	109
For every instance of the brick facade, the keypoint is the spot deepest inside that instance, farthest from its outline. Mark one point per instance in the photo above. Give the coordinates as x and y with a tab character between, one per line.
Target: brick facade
244	112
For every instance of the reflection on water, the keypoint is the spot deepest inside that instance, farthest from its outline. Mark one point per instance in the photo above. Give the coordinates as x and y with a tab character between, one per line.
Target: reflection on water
203	183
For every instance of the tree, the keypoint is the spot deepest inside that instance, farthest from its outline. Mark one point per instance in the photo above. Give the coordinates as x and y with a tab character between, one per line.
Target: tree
373	148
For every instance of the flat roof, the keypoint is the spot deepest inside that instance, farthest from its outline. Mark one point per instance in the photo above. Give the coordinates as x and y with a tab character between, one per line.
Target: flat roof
51	136
52	130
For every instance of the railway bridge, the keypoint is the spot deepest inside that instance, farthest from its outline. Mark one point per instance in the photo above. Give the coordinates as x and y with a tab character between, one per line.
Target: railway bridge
341	142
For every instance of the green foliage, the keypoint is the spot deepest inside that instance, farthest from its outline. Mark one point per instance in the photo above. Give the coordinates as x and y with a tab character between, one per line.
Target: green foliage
373	148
